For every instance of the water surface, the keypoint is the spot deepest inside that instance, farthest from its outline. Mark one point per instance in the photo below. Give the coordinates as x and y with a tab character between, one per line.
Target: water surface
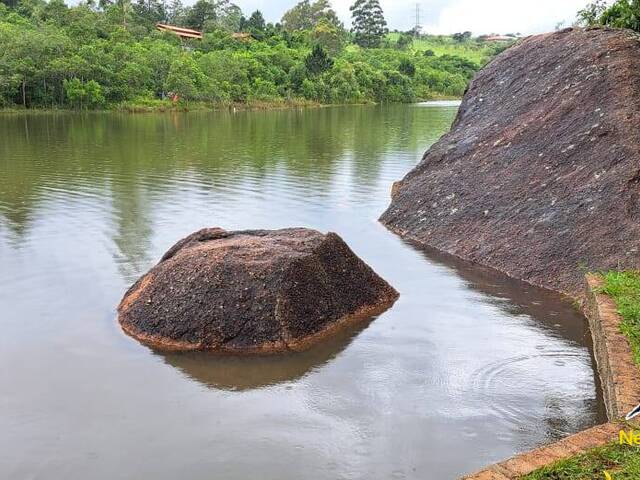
467	368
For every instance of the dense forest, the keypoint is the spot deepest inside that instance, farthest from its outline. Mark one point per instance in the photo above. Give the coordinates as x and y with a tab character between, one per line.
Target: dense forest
110	55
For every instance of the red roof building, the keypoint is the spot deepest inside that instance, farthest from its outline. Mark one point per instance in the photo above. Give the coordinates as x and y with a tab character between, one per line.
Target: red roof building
180	31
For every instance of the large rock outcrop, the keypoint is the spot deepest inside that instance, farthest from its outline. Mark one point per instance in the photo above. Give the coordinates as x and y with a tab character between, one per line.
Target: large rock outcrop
252	292
540	175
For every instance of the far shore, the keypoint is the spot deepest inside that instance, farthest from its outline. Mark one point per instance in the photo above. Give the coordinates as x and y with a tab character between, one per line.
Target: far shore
166	106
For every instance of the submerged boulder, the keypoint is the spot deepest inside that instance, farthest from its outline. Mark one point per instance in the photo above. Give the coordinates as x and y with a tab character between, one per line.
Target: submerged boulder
252	292
539	176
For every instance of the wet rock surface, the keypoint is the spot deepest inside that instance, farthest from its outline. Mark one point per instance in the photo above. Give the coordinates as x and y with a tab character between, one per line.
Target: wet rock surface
540	175
252	292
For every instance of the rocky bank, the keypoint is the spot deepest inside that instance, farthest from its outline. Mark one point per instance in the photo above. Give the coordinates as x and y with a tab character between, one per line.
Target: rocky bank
252	292
539	176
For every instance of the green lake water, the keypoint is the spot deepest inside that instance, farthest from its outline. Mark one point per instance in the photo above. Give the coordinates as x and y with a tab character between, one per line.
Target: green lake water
467	368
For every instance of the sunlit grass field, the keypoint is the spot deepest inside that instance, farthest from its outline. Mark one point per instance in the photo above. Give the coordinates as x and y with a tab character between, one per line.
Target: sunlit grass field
477	52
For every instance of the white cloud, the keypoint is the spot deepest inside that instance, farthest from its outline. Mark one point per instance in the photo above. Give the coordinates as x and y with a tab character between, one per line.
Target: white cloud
450	16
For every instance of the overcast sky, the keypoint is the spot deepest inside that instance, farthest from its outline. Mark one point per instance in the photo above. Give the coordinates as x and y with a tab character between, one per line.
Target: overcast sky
450	16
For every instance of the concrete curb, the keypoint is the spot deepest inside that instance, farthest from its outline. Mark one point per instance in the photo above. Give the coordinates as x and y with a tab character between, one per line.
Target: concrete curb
621	387
617	369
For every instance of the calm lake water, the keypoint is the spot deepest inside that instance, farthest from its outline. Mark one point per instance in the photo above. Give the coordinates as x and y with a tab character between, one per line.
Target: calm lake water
467	368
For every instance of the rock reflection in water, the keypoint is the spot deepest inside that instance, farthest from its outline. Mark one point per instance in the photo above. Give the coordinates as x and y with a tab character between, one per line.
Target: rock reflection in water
234	372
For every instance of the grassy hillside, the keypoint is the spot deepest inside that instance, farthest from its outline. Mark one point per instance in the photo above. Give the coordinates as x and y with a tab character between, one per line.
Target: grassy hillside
472	50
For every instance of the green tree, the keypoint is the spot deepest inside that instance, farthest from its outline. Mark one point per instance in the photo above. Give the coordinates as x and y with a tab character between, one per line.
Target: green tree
55	11
620	14
185	78
318	61
256	22
93	94
369	25
200	13
151	11
407	67
159	59
175	12
74	91
590	15
228	16
404	41
462	37
327	35
82	94
306	16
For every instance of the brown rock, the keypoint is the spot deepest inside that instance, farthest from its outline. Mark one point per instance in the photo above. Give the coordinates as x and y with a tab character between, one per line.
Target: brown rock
252	292
540	175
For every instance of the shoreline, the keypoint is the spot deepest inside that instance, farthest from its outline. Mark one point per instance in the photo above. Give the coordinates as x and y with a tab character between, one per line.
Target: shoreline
160	106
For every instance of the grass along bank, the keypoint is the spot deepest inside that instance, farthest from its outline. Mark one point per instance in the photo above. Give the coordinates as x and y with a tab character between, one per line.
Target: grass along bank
622	462
624	289
145	105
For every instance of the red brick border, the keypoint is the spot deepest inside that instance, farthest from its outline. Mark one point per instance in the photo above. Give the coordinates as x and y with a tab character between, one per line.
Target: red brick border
620	382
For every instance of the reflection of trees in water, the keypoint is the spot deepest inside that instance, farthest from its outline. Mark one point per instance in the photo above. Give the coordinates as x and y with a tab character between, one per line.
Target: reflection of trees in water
135	160
132	230
550	311
80	150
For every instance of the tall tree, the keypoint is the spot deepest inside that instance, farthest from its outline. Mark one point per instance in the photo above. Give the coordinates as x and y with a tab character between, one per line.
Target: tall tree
306	15
151	11
175	12
369	25
318	61
185	78
202	12
256	22
229	15
328	36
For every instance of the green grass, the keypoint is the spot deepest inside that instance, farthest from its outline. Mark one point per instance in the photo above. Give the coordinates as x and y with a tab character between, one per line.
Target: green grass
477	52
624	288
621	461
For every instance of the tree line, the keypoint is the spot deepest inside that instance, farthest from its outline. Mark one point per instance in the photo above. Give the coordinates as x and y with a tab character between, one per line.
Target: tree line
106	53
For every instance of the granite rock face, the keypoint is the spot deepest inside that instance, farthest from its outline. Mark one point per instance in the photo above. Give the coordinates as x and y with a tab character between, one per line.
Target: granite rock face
539	176
252	292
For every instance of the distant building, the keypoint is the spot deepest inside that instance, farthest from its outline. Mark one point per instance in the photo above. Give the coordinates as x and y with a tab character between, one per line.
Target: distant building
497	38
180	31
